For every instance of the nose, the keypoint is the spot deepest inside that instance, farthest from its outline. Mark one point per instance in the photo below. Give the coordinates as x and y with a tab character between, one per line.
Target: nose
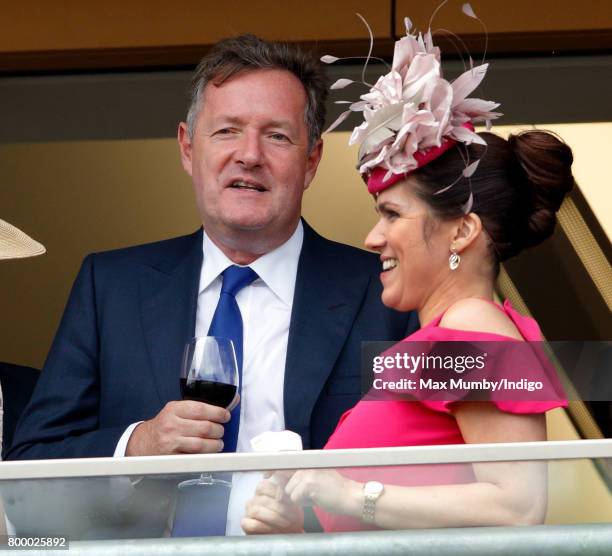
375	240
248	151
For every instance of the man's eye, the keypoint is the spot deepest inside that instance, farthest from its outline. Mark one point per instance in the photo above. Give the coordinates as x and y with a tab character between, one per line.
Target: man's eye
224	131
279	137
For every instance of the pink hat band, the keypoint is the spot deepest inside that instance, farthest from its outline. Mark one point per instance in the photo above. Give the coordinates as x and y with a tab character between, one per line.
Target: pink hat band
376	182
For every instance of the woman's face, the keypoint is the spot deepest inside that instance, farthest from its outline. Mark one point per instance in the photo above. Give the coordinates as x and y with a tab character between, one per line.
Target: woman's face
413	246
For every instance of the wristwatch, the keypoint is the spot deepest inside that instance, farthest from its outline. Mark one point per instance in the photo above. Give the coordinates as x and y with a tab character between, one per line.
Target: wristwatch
371	492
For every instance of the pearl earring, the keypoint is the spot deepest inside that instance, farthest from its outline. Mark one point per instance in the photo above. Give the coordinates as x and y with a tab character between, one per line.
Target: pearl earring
454	260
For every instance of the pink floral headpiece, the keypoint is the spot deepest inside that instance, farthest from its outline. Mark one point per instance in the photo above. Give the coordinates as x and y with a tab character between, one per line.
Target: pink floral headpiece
412	114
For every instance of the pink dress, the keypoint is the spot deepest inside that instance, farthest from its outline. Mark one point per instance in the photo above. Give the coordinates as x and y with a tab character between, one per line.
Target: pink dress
377	424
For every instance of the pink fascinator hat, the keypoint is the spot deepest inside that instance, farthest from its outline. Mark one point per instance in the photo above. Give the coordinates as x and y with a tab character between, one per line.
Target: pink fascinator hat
412	114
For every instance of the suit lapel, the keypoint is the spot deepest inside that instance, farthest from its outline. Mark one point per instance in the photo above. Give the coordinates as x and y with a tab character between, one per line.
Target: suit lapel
168	297
323	309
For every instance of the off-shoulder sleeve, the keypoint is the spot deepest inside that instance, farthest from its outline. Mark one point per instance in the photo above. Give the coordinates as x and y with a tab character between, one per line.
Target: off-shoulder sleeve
516	407
508	358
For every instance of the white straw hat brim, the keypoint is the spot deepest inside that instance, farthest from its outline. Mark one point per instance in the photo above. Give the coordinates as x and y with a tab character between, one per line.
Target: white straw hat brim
14	244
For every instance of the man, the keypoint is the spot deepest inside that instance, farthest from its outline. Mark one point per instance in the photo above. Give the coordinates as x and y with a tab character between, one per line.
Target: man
251	144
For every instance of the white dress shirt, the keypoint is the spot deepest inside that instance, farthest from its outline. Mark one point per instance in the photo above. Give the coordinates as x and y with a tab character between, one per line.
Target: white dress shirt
265	306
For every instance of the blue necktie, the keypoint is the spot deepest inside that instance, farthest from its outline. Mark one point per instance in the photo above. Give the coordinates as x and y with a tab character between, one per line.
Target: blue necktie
227	323
202	510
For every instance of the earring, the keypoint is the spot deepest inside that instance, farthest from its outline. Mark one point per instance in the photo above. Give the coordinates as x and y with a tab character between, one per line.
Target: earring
454	260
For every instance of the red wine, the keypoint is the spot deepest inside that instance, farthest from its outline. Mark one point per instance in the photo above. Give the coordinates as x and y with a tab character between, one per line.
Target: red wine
208	391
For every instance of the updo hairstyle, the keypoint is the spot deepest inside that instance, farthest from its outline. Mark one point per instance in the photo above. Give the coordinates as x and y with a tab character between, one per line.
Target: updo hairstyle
517	188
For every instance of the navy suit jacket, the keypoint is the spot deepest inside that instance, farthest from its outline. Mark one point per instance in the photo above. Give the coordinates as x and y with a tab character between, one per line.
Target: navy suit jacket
117	354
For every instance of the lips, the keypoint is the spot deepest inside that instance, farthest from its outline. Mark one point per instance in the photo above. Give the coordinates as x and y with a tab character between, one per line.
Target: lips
246	185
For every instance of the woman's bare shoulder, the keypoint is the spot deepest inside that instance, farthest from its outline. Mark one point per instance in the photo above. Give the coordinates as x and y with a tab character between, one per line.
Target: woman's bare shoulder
479	315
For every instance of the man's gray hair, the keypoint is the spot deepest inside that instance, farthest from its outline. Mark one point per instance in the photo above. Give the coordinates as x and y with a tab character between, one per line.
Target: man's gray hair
247	53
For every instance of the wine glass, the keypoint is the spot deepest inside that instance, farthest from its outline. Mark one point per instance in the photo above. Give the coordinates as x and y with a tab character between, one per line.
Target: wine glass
209	374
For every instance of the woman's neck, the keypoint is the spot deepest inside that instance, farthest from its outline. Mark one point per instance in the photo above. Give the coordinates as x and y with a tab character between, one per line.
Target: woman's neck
451	291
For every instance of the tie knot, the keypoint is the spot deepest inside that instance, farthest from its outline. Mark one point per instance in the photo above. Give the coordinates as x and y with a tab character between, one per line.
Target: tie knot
237	277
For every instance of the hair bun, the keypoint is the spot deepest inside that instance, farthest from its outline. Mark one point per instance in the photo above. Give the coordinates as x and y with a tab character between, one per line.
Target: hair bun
546	161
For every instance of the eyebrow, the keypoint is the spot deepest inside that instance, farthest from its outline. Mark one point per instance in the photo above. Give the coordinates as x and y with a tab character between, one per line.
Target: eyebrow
234	120
281	123
387	205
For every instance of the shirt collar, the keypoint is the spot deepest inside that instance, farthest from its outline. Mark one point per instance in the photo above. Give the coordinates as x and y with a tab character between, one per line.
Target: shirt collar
277	269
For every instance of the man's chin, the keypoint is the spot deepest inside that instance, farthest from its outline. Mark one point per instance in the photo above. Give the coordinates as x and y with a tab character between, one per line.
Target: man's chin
254	235
250	225
246	228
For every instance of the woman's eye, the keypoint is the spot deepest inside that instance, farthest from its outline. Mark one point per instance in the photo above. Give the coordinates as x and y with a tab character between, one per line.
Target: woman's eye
386	213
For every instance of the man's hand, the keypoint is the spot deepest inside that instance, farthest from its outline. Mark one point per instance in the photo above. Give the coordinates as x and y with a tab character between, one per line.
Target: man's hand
181	427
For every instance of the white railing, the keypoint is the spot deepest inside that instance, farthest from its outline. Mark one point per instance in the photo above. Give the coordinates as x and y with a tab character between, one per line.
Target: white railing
310	459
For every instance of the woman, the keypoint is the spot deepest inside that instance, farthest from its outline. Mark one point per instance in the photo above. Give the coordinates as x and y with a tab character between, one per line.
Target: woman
446	222
14	244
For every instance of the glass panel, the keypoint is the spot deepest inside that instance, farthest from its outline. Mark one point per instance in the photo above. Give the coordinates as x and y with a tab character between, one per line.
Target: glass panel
424	495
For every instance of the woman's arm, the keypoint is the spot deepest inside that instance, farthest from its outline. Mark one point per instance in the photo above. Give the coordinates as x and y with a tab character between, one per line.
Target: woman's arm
505	493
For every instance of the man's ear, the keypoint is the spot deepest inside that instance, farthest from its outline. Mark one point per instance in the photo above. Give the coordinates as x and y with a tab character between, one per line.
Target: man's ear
466	233
314	157
185	145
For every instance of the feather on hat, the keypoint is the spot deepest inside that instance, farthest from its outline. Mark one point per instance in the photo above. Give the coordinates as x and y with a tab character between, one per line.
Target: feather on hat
412	114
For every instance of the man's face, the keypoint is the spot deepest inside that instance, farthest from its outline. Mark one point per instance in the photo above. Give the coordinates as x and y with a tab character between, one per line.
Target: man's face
249	159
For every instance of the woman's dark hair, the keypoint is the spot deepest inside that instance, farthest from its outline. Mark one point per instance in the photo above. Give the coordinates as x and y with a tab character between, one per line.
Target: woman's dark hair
517	188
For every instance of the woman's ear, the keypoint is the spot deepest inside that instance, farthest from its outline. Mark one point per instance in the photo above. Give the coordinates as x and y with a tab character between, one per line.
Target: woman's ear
469	229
